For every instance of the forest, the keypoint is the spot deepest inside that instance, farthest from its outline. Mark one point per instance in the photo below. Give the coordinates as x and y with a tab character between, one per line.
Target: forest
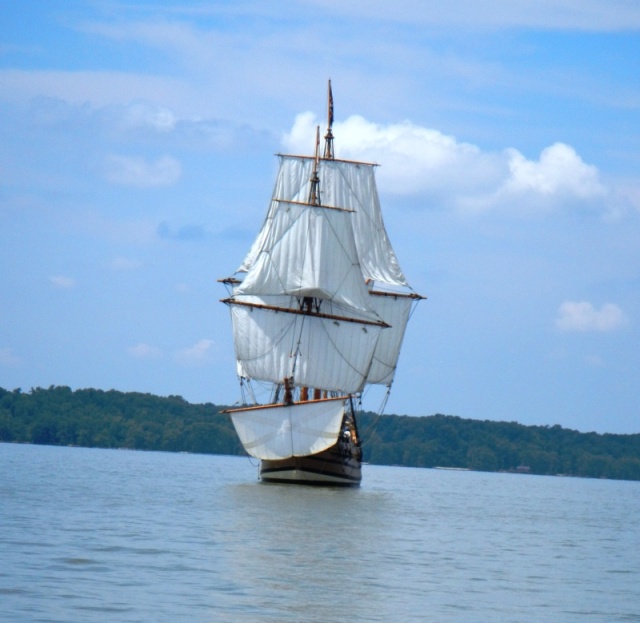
112	419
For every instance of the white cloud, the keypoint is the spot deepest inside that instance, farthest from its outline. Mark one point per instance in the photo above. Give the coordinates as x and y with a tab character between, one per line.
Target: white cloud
199	353
7	358
559	171
418	160
60	281
144	351
583	316
136	171
414	159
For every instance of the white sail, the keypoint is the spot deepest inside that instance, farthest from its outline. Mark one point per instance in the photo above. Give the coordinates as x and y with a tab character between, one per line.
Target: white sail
331	351
394	310
305	316
308	251
349	185
353	186
280	432
292	184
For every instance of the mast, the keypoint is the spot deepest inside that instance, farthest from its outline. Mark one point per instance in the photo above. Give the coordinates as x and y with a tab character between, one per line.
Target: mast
328	137
314	186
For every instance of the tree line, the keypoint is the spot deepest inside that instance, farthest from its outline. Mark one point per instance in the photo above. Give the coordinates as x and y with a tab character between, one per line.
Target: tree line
112	419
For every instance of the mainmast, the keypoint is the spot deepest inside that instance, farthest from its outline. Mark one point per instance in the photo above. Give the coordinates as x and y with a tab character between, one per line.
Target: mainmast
328	137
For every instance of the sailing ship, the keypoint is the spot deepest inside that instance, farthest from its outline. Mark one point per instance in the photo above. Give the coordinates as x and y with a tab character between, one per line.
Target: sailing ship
319	308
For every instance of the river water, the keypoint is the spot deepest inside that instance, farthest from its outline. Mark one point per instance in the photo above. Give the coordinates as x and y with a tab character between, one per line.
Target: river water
91	535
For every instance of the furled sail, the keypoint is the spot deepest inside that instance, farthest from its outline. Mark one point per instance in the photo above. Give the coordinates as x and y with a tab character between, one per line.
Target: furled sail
277	432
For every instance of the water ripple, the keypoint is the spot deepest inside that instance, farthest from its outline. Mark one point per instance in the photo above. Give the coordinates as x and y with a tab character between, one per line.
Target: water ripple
95	535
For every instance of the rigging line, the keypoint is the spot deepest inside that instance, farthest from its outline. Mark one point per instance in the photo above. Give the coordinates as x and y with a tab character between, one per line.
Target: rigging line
338	238
295	220
295	353
274	244
371	429
294	347
383	404
378	225
355	195
266	226
347	254
340	354
246	387
381	362
273	343
305	249
242	392
249	385
304	174
414	306
366	209
373	356
275	199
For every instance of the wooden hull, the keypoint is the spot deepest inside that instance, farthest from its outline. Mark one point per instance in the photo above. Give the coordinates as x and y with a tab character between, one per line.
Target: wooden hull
337	466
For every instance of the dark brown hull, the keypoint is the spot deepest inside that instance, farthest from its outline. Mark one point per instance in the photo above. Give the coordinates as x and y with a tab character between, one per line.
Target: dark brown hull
336	466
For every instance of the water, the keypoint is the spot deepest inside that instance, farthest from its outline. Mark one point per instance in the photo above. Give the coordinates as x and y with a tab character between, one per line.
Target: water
109	535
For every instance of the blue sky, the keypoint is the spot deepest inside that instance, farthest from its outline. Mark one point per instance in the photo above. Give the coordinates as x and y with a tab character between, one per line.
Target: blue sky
136	165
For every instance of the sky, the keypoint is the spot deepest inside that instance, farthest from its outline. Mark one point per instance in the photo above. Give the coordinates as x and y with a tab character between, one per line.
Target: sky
137	160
